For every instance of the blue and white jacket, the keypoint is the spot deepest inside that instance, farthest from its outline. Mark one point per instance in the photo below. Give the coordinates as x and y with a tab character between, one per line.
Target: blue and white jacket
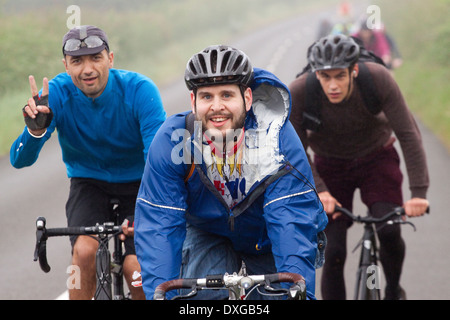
105	138
279	212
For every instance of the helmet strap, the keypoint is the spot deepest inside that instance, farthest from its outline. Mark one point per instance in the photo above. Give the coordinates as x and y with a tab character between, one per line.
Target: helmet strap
242	89
350	83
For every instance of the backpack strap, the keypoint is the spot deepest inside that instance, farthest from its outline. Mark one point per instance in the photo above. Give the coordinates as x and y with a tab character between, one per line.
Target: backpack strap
311	114
368	90
189	124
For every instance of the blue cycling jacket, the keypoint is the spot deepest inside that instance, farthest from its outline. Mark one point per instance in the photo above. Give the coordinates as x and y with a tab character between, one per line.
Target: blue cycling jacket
105	138
280	210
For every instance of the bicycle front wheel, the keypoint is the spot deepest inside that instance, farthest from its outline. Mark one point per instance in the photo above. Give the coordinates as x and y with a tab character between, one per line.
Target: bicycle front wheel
104	280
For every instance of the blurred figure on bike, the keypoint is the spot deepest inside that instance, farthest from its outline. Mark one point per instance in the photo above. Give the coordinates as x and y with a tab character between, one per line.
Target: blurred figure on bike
346	21
232	182
106	119
348	111
374	40
380	43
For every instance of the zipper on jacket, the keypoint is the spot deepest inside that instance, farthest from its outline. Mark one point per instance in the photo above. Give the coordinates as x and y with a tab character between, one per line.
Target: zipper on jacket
231	220
239	208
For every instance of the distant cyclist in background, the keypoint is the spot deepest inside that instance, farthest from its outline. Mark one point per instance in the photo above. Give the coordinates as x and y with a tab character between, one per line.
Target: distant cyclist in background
376	41
353	148
396	57
250	195
105	119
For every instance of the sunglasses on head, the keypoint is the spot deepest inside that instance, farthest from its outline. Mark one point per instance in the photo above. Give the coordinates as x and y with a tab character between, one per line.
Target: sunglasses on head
89	42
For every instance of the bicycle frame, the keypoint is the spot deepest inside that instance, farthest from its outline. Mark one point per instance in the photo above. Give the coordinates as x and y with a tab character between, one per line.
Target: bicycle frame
367	285
365	289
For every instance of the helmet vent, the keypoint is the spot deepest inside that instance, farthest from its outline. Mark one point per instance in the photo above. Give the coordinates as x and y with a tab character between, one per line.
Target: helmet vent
352	50
226	57
238	62
328	52
213	61
202	62
192	67
339	50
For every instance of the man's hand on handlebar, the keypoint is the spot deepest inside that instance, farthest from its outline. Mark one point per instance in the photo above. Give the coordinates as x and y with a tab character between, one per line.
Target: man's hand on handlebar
127	228
329	204
416	207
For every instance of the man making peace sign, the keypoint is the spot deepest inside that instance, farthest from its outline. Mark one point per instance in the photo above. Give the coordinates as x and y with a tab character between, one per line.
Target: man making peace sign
105	119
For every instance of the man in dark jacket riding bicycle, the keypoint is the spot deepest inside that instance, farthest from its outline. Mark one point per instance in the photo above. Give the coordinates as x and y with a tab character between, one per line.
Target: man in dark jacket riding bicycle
353	148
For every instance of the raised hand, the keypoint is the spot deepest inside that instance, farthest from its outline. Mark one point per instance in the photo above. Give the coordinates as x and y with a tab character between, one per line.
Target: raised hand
37	113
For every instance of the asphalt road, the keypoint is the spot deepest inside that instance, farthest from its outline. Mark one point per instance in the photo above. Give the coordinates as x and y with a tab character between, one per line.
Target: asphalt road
42	190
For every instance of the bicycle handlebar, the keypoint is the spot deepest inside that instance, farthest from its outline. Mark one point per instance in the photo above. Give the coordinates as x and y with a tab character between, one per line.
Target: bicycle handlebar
226	281
42	234
397	212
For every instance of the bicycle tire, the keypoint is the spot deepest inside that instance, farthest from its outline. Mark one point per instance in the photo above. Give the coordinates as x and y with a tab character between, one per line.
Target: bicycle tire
103	268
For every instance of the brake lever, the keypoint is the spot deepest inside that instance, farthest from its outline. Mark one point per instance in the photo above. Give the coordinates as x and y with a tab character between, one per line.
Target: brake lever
402	222
192	293
297	292
274	290
40	235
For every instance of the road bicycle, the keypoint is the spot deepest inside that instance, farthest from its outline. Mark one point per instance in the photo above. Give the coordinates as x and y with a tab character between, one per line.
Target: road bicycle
239	286
367	275
109	272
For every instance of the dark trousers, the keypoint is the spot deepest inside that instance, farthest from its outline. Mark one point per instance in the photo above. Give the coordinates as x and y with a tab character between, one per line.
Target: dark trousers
379	179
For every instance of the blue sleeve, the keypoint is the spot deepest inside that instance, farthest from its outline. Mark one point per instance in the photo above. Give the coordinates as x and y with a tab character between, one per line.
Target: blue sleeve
160	223
149	111
25	149
294	215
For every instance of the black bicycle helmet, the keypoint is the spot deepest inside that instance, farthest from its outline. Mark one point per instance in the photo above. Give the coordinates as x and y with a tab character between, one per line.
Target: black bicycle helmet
218	64
333	52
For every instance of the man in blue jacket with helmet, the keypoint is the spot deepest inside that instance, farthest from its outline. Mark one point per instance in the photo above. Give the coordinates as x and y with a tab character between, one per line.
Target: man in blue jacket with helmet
238	187
106	119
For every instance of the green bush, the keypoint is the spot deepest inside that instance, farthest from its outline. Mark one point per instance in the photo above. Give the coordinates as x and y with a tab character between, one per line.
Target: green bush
422	30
